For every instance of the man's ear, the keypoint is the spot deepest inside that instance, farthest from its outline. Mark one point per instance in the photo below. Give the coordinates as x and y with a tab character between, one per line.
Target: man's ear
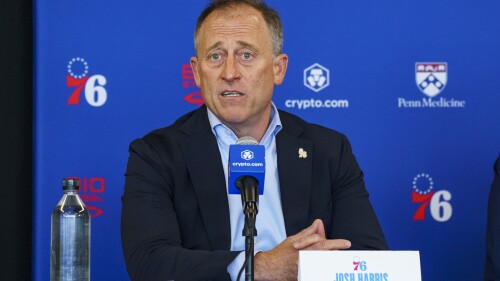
194	66
280	66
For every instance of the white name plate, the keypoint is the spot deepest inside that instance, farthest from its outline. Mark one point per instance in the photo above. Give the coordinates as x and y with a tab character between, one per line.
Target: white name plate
359	266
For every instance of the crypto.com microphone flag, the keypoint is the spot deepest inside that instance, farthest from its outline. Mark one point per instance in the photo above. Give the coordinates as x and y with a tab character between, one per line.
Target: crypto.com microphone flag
246	160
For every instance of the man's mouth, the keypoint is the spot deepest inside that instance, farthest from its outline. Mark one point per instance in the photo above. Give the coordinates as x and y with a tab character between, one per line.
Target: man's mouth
231	94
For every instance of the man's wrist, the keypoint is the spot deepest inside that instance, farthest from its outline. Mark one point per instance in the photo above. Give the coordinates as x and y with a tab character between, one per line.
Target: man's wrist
262	267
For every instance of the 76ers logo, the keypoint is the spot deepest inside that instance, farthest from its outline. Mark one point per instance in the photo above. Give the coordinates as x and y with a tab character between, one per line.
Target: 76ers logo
358	264
431	77
93	86
424	194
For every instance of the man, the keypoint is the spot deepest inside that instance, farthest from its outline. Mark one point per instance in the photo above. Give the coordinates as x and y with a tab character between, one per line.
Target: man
178	220
492	268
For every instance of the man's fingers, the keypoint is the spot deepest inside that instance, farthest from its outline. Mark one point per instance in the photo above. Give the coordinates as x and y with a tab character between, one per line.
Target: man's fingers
307	241
316	227
312	229
321	227
326	245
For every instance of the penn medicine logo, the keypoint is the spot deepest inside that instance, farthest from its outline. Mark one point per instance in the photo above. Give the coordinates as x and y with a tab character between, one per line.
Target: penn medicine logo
431	79
316	77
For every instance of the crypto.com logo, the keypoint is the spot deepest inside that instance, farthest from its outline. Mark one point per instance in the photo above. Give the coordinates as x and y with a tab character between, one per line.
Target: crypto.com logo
247	155
439	201
95	93
316	77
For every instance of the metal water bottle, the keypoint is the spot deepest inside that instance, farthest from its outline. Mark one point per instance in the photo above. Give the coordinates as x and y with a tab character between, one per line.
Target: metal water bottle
70	237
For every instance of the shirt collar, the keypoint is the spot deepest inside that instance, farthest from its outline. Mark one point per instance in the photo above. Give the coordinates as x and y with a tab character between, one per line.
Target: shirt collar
274	126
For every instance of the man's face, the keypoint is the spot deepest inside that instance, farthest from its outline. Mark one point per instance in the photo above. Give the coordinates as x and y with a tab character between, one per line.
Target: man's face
236	69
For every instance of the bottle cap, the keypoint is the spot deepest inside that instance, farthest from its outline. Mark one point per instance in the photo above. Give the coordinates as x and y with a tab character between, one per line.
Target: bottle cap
71	184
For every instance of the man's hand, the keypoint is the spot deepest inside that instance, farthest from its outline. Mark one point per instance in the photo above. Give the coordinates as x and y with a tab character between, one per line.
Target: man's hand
281	263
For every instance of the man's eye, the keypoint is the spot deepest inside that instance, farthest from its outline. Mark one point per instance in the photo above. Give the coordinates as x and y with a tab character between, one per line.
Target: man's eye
215	56
247	56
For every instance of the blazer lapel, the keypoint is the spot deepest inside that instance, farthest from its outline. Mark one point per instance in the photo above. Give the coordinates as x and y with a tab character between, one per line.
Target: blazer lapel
207	175
295	171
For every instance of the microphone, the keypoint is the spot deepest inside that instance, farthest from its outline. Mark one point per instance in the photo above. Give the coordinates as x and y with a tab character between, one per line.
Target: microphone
247	168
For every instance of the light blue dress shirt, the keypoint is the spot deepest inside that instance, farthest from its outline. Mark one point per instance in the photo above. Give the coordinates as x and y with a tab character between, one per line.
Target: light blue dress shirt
270	223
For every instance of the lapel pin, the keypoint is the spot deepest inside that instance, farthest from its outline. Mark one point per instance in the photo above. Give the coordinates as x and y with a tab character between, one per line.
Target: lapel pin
302	153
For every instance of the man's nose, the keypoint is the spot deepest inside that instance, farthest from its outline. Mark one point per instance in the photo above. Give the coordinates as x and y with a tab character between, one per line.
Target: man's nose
230	71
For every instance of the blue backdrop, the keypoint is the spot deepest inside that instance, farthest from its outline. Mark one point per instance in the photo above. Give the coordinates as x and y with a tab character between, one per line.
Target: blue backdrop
413	84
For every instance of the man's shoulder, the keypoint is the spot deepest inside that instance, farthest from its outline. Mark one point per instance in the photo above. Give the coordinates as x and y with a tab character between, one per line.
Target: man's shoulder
189	123
296	124
174	127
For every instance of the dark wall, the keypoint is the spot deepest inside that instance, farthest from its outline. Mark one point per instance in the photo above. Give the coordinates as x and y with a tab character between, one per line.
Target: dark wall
16	113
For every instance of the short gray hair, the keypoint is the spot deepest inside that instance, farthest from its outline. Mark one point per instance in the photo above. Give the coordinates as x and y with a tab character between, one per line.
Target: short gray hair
271	17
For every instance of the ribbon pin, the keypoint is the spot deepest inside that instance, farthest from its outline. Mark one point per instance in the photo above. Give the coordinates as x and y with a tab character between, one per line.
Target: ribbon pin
302	153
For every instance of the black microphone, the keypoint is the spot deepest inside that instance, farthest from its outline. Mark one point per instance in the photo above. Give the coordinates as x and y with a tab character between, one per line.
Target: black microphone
249	187
248	184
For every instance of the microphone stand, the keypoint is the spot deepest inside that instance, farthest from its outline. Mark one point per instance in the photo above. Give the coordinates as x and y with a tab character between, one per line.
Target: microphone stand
249	231
248	186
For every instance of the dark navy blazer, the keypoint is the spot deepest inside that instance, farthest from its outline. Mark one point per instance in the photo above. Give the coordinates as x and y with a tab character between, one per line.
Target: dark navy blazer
175	213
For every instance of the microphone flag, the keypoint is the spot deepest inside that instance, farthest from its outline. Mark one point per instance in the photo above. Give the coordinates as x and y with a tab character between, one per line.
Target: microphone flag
246	160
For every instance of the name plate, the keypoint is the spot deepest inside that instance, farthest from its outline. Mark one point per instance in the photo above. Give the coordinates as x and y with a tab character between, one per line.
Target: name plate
359	266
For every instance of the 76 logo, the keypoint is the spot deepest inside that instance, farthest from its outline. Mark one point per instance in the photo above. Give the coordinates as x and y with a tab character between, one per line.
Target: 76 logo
92	86
439	201
359	264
